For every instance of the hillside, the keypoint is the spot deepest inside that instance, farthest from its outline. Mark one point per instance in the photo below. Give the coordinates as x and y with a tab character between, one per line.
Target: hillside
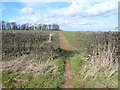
59	59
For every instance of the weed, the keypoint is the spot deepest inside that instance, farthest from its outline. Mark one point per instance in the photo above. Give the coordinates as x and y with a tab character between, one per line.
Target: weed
76	62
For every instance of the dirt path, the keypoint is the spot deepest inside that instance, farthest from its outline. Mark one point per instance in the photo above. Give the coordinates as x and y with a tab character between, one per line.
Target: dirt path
64	44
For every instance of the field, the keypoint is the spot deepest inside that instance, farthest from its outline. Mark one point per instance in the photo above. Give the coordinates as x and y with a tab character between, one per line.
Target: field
46	59
34	60
95	64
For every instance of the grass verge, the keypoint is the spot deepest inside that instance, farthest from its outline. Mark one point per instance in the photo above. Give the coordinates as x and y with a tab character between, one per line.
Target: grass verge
82	80
48	80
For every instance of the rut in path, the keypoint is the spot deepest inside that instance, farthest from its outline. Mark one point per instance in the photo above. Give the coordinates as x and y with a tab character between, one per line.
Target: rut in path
64	44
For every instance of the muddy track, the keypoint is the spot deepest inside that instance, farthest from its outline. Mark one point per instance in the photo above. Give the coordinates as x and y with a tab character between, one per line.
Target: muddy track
64	44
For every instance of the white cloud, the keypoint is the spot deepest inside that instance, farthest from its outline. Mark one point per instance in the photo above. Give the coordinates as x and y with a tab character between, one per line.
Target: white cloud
85	9
101	8
76	16
11	20
27	10
69	23
26	19
62	21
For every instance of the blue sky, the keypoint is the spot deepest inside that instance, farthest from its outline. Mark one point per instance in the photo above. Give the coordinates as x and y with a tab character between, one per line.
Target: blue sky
75	15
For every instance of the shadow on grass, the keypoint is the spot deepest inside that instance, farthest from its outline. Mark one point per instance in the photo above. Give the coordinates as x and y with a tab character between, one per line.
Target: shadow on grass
64	53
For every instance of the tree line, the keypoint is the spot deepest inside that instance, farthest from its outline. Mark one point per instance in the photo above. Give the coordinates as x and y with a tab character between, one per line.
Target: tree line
13	26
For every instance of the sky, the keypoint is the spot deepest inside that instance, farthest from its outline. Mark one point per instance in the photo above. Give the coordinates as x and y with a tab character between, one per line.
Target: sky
70	15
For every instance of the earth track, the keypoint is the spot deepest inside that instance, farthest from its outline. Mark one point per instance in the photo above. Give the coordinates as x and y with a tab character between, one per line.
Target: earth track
64	44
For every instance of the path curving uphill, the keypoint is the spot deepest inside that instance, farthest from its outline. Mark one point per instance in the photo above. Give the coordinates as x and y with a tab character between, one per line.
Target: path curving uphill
64	44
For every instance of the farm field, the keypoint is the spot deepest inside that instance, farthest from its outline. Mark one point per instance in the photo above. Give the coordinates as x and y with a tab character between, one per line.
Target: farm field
90	64
59	59
31	60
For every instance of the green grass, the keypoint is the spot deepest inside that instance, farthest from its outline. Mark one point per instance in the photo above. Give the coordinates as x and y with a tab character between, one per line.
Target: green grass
76	62
80	80
72	38
48	80
60	62
99	82
118	79
0	77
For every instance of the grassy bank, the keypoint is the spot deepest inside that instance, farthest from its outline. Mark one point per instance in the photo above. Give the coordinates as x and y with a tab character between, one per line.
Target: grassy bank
82	80
33	65
96	66
48	80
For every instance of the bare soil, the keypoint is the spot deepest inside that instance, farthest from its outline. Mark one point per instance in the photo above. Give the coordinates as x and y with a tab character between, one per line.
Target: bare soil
64	44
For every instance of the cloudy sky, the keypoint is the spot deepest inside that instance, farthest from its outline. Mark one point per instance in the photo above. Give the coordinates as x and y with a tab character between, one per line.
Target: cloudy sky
71	15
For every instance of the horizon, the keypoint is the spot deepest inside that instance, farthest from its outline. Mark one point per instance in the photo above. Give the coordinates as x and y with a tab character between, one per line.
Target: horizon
74	15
